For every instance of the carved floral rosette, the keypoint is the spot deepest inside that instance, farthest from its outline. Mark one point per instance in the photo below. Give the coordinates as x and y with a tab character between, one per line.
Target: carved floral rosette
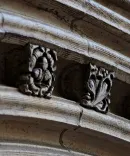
97	89
38	77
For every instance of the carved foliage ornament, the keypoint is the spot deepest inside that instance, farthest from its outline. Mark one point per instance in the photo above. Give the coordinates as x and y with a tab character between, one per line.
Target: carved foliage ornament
38	77
97	89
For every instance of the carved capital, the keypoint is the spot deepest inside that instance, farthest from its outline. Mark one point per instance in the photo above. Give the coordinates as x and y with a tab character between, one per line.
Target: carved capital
97	88
37	77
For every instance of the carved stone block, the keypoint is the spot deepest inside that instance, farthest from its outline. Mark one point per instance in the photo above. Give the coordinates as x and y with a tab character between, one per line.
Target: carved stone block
31	68
38	77
87	84
97	88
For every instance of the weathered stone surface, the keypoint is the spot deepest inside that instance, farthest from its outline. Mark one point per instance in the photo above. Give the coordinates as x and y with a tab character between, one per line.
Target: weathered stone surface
95	31
97	87
110	48
15	149
88	84
59	123
37	77
32	71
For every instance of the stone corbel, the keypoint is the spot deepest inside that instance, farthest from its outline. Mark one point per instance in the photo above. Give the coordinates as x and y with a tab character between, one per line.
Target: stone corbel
38	77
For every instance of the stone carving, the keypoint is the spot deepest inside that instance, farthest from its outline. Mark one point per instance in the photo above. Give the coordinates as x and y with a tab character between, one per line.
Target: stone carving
97	89
38	76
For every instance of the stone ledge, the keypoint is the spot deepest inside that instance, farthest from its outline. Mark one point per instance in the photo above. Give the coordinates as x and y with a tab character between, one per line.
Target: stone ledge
20	30
98	11
15	104
15	149
109	19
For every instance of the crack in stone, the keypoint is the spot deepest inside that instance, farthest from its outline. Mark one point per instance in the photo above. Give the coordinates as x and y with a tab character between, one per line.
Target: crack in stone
62	143
65	130
61	138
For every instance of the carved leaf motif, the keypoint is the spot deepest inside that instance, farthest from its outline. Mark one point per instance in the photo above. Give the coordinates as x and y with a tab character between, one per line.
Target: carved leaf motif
97	89
38	80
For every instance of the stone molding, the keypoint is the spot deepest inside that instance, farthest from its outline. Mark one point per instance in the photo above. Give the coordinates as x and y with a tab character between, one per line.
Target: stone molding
61	111
99	12
18	29
94	9
15	149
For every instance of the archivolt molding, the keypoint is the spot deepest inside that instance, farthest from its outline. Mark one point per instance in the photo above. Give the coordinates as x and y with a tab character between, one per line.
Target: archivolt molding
102	13
22	29
93	8
62	111
21	149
